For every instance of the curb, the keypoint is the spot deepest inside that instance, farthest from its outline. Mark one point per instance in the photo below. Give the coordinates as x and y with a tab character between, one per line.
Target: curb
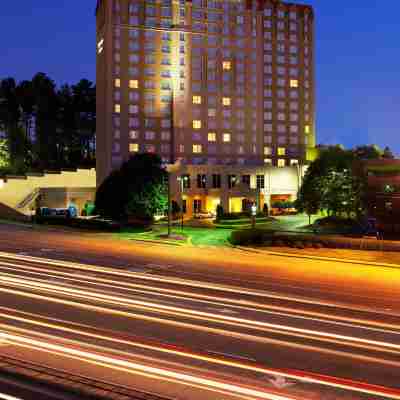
155	242
320	258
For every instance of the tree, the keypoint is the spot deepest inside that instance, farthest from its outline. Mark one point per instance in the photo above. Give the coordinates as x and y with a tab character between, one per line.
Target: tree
329	184
10	117
137	189
387	153
46	103
368	152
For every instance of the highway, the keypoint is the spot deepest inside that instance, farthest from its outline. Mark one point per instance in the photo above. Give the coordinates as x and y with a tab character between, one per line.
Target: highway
184	336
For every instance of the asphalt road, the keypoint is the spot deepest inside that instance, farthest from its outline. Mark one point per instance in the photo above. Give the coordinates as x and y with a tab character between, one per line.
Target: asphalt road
195	324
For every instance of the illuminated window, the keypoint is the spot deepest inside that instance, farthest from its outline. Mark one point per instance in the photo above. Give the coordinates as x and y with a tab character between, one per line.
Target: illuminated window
196	124
133	84
226	101
267	151
117	108
281	151
227	137
212	137
133	135
181	148
196	99
212	112
133	147
281	162
117	82
267	161
294	162
197	148
226	65
100	46
307	129
294	83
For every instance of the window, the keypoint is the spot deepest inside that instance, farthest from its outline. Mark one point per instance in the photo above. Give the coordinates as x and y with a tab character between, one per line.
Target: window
197	124
197	148
267	161
281	151
196	206
149	135
201	181
226	137
117	83
294	162
260	181
294	83
212	112
133	84
133	147
307	129
226	101
165	135
267	151
196	99
133	135
133	109
281	162
226	65
185	181
212	137
117	108
231	181
216	181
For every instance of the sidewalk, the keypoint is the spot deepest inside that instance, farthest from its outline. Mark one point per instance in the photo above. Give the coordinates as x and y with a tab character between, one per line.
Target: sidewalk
343	255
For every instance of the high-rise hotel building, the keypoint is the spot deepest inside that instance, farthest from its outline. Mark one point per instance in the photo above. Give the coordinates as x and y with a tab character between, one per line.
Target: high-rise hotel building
208	82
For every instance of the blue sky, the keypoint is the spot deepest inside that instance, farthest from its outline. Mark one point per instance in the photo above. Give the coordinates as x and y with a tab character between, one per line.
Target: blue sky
357	59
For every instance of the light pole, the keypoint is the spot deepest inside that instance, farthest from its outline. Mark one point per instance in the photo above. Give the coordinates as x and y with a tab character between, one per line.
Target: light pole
253	215
182	179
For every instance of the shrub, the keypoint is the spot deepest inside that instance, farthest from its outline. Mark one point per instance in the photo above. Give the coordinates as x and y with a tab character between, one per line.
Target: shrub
250	236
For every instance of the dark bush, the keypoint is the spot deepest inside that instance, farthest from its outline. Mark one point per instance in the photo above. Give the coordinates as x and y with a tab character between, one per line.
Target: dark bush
250	236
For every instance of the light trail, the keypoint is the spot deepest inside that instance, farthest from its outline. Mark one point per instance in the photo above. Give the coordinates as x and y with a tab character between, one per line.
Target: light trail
218	301
186	282
132	368
251	366
203	316
4	396
302	376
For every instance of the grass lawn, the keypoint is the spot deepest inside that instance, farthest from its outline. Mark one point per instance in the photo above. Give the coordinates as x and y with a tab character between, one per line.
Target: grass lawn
193	236
204	236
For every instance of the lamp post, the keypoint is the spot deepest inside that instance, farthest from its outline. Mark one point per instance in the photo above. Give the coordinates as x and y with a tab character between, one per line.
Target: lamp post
182	180
253	215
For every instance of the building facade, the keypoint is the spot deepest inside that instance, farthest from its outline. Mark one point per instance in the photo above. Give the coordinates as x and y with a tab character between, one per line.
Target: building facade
212	83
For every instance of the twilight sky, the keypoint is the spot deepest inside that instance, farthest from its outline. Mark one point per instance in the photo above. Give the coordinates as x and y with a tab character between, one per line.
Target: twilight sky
357	59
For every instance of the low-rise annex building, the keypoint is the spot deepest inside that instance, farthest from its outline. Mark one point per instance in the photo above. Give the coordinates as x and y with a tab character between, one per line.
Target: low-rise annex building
201	188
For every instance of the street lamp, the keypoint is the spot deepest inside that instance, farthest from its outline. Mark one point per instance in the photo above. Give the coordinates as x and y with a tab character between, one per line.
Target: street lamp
182	179
253	215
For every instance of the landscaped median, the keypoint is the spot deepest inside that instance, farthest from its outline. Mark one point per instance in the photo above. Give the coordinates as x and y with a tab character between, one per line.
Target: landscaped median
266	238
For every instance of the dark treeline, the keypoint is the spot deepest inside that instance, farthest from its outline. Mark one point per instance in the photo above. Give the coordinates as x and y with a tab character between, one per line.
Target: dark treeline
45	127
